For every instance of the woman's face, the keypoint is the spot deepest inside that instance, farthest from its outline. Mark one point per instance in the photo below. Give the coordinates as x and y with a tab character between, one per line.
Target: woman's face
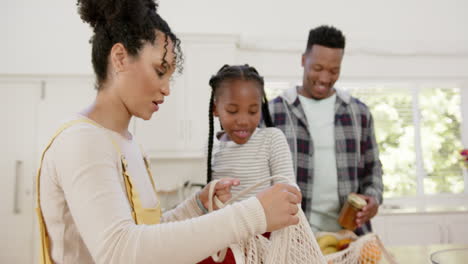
144	82
238	106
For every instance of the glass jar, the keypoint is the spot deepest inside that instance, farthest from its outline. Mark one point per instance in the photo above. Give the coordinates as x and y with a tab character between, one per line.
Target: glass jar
352	206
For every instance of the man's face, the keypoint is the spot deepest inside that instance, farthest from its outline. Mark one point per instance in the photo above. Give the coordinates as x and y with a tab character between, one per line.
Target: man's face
321	70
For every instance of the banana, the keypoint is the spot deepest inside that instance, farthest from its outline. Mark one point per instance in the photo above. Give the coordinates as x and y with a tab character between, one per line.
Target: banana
329	250
327	241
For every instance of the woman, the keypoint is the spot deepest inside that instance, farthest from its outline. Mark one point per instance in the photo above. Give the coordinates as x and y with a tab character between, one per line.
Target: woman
96	197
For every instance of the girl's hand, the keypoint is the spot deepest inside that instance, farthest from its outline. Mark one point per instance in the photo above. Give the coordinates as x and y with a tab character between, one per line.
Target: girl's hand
280	203
222	191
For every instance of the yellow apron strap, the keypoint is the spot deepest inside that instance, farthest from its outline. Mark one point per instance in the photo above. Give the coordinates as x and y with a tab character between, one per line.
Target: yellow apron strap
44	254
156	213
45	257
140	214
148	169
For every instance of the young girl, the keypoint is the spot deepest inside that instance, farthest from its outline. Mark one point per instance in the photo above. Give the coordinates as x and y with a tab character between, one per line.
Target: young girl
243	150
96	199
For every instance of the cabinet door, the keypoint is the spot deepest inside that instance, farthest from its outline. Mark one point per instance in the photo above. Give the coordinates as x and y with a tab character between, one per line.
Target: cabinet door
203	60
18	167
378	227
414	230
457	228
62	98
163	133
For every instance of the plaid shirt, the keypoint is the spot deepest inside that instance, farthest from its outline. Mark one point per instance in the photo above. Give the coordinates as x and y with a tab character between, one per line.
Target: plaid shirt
357	158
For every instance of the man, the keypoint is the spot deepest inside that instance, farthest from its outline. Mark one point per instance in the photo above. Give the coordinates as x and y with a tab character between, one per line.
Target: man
331	137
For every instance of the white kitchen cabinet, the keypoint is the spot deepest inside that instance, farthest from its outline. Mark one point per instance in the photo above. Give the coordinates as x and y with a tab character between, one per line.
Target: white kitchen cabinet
18	167
414	230
61	99
164	132
212	56
180	128
456	228
422	228
33	109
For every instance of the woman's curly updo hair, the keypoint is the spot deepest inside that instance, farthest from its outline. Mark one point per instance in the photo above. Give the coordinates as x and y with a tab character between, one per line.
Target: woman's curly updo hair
130	22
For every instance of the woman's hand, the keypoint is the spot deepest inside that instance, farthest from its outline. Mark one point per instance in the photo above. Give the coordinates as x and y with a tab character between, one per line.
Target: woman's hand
222	191
280	203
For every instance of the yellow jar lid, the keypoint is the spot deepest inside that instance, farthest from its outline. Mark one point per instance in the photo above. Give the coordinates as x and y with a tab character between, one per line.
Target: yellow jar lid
356	201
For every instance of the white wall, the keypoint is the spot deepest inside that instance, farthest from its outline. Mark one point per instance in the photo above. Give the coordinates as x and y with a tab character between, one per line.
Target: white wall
401	20
48	37
43	37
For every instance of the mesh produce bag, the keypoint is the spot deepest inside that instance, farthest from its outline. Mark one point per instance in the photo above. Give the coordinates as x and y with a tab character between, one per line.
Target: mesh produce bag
297	244
367	249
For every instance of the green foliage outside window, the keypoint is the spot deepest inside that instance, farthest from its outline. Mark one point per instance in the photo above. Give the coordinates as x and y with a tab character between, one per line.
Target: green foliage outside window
437	130
439	135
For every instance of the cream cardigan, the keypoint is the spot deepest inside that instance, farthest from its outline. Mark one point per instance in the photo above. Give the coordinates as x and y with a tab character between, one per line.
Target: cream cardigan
88	216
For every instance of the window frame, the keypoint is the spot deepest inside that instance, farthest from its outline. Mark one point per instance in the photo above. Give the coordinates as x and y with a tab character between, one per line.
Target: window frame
420	198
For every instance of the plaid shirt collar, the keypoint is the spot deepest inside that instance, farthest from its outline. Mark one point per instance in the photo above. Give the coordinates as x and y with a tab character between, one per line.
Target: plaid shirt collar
291	96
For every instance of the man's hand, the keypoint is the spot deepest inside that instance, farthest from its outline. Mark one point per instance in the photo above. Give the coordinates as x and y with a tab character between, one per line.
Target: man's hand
368	211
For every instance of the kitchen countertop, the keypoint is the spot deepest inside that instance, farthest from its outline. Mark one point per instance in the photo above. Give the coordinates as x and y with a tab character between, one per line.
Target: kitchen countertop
385	210
419	254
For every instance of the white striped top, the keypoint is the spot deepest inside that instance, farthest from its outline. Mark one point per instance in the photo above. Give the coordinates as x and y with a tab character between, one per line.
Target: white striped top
266	154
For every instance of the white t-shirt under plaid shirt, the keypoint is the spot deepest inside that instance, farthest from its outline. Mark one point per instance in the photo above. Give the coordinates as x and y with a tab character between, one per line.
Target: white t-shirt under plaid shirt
266	154
320	116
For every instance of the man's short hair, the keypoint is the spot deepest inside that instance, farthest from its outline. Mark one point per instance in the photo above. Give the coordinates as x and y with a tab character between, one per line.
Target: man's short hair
327	36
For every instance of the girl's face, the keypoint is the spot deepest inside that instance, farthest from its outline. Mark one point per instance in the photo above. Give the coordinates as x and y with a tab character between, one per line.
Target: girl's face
238	106
144	82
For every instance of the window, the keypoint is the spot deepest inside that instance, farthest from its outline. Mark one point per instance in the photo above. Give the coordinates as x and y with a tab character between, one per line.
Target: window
273	89
418	130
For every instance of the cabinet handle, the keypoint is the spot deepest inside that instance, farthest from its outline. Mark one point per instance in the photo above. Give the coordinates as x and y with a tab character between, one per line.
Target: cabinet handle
447	229
189	130
16	208
442	234
181	129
